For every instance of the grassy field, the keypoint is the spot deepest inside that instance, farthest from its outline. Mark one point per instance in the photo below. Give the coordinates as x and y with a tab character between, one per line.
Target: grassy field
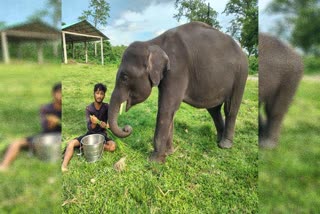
289	175
198	178
30	186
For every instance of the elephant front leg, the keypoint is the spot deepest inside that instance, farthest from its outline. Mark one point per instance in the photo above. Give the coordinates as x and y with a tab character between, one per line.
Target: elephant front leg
163	137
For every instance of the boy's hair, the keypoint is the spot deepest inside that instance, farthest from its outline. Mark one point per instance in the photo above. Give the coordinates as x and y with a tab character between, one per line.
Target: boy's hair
56	87
100	86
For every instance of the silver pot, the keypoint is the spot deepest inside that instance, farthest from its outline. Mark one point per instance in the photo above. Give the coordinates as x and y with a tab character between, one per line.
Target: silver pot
92	147
48	147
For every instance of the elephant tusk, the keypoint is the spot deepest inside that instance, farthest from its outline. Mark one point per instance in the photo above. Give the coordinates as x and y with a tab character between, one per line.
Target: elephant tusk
121	107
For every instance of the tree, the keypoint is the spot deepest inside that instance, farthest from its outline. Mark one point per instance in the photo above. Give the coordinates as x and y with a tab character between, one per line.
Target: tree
98	12
196	10
2	24
244	27
299	23
55	14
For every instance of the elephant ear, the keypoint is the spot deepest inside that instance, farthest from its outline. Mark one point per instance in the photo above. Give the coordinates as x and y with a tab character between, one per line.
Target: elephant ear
158	64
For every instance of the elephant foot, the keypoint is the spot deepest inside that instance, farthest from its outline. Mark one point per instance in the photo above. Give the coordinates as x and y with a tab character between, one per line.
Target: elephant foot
156	157
170	151
225	144
267	143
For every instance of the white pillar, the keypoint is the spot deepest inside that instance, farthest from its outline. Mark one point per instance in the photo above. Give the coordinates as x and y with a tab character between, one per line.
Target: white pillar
55	46
95	48
86	51
72	50
5	51
64	48
40	52
102	60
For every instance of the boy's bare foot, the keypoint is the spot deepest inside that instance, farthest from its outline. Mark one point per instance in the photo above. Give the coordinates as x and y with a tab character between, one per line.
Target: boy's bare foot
3	168
64	169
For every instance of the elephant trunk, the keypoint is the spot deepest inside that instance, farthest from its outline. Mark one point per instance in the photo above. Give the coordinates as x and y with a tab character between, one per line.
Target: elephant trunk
113	118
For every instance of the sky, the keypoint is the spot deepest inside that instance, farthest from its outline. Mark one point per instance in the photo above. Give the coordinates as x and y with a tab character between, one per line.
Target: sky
266	21
129	21
17	11
138	20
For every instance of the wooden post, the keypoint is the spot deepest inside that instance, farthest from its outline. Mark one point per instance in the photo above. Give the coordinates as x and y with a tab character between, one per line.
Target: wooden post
5	51
64	48
19	52
95	49
55	46
86	51
102	59
40	52
72	50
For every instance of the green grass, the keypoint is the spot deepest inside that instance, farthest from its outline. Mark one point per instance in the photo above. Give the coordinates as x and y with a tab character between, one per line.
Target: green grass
198	178
289	175
30	186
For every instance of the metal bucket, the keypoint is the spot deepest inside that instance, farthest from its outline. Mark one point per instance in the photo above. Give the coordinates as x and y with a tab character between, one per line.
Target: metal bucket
92	147
48	147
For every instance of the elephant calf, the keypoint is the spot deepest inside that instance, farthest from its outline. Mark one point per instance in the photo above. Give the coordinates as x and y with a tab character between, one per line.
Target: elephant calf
192	63
280	70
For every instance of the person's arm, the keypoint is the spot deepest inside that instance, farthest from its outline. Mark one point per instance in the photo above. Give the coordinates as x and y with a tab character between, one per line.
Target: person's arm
104	122
91	120
48	121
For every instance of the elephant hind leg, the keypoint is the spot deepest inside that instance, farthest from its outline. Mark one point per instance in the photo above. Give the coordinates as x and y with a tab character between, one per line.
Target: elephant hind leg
276	109
215	113
262	121
170	148
231	108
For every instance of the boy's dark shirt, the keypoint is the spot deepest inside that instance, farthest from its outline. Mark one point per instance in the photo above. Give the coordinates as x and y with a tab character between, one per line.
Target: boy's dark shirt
101	114
46	110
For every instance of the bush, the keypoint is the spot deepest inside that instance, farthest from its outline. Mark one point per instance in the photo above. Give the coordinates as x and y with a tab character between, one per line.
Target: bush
253	65
311	64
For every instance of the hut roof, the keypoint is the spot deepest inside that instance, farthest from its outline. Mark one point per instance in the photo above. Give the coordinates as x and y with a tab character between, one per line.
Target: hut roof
82	31
30	31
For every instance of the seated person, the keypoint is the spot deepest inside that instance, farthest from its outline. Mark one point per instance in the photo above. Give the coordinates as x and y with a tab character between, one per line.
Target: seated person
50	115
97	117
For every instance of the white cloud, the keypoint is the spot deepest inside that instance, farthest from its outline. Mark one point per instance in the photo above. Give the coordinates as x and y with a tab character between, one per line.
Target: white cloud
132	26
155	19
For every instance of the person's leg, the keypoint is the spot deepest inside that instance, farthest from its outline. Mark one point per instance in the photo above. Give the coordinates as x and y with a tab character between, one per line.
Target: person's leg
110	146
69	153
12	153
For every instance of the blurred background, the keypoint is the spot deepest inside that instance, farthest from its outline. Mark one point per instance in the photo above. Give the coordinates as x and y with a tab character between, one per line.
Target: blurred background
29	67
289	175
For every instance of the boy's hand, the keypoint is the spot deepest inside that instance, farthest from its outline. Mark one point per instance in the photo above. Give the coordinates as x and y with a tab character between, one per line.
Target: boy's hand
94	119
53	121
104	125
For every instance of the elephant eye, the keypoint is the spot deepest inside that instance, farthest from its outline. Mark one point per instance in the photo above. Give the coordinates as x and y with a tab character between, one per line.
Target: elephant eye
124	77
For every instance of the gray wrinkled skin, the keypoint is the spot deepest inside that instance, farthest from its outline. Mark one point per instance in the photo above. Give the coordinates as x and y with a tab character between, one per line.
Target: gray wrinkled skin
280	71
192	63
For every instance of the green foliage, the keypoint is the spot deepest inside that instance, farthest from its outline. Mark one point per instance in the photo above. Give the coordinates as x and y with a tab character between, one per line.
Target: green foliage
196	10
311	65
30	186
2	24
28	51
111	54
299	24
221	180
98	12
253	65
289	175
244	27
